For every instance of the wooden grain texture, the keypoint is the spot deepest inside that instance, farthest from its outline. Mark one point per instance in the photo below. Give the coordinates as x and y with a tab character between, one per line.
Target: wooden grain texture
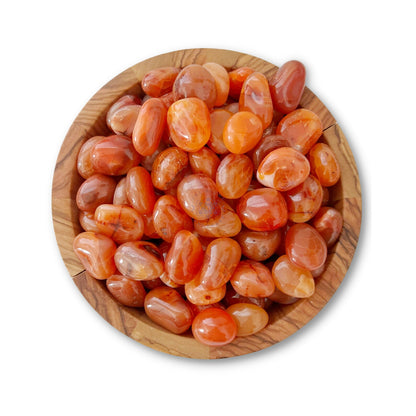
284	320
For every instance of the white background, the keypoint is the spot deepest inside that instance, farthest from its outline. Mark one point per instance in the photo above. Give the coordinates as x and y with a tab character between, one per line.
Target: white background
59	357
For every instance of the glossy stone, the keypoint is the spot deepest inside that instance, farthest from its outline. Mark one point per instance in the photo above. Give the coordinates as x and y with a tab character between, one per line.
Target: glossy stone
96	190
304	200
255	97
262	210
184	258
195	81
279	297
237	78
225	224
204	161
328	222
302	128
139	260
259	245
126	291
87	221
234	175
84	162
198	196
222	82
169	218
96	253
197	294
119	222
189	124
220	260
292	279
149	127
242	132
305	247
287	85
169	168
114	155
122	115
166	307
249	318
218	118
283	169
139	190
214	327
265	146
120	194
159	81
252	279
324	164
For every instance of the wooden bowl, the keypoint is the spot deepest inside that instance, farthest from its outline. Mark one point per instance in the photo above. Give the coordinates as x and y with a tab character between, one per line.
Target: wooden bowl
284	320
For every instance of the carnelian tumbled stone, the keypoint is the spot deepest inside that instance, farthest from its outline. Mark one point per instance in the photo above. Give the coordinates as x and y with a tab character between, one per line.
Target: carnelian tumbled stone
225	224
219	118
265	146
292	279
279	297
234	175
139	260
249	318
114	155
149	127
169	218
127	291
255	97
166	307
237	78
197	294
84	162
198	196
324	164
305	247
87	221
304	200
169	168
302	128
252	279
159	81
120	193
139	190
283	169
120	222
263	209
214	327
287	85
220	260
328	221
242	132
204	161
122	115
195	81
184	258
96	190
96	253
259	245
222	82
189	124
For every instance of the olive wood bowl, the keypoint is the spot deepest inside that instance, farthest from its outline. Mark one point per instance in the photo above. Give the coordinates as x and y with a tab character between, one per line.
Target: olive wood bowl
284	319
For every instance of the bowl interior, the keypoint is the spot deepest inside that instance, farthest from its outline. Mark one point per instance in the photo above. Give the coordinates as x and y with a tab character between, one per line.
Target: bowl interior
284	319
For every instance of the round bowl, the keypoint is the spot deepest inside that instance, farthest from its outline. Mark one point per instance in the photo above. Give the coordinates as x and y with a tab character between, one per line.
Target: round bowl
284	319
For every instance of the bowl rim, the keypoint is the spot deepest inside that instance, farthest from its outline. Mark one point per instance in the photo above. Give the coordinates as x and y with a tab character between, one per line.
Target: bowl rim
284	321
